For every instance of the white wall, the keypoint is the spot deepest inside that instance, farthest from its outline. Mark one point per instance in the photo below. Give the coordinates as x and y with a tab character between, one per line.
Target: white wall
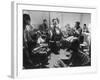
64	18
70	18
85	19
37	17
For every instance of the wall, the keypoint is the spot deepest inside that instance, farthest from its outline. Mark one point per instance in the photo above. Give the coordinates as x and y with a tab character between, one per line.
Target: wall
71	18
37	17
64	18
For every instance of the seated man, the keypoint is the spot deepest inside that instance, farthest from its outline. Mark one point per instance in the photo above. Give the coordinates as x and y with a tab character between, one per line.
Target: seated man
78	57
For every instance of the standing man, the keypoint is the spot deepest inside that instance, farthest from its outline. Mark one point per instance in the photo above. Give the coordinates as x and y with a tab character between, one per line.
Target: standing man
77	28
78	32
27	62
44	26
85	28
55	36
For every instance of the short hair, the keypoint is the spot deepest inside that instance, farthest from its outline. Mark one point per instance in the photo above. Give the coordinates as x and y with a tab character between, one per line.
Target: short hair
84	24
44	20
74	45
78	23
55	19
26	17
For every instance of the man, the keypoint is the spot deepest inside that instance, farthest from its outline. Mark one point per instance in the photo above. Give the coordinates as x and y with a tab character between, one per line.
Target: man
77	28
56	32
27	62
69	30
78	32
55	36
78	57
43	26
85	28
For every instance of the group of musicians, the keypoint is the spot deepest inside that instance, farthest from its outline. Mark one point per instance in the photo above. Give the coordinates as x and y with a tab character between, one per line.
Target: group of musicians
48	46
